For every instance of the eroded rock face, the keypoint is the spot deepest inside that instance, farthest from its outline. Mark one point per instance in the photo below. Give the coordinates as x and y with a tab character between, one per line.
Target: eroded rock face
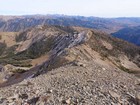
63	42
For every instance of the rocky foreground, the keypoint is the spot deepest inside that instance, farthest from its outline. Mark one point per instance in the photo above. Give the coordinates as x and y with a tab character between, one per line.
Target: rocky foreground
75	84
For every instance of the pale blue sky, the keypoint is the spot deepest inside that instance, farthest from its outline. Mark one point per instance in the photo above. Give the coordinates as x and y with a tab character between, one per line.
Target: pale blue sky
100	8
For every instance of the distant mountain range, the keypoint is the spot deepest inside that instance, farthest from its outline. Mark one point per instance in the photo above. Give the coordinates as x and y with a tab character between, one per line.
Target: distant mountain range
110	25
119	27
130	34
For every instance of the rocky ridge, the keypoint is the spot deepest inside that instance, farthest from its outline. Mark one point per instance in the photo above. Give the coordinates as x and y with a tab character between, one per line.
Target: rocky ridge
83	66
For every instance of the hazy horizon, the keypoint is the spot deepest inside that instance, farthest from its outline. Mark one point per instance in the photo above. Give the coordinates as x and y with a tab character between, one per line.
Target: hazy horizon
96	8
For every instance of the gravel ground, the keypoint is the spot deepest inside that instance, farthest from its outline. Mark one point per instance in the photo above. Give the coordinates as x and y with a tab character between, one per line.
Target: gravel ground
88	84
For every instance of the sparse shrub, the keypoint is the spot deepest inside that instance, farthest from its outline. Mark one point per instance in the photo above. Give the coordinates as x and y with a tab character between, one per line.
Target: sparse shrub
124	69
18	71
2	48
